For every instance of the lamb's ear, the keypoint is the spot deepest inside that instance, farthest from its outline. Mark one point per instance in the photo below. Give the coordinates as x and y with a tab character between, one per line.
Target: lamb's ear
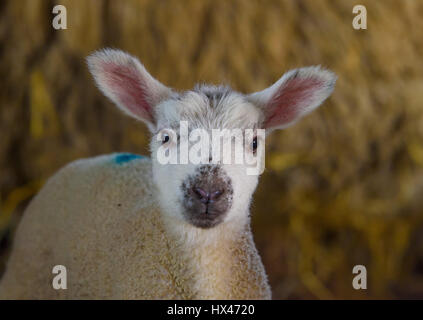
125	81
295	94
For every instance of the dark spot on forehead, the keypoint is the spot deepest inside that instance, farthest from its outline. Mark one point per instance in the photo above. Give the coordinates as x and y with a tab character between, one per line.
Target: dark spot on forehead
213	107
213	93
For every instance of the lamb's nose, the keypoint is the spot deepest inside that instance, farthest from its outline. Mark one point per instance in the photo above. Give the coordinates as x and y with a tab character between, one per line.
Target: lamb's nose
216	194
205	196
202	195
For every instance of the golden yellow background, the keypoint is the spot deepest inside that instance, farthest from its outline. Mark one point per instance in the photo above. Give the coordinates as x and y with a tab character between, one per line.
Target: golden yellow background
343	187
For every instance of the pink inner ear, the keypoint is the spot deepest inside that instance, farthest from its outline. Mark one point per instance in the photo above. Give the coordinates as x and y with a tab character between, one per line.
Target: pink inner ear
127	86
290	101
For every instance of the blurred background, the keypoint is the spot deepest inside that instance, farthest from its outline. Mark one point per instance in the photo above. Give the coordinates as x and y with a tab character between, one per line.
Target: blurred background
341	188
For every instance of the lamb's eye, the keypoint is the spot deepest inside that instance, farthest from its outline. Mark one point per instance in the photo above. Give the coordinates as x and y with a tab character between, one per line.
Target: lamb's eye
255	144
165	138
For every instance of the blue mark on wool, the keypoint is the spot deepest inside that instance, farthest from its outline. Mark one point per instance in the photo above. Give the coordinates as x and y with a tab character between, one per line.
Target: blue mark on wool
122	158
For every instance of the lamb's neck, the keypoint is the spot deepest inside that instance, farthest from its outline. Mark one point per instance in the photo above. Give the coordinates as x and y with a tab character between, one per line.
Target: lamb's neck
223	262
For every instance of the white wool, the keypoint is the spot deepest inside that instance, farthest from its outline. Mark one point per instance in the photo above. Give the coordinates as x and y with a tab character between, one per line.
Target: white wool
100	219
118	223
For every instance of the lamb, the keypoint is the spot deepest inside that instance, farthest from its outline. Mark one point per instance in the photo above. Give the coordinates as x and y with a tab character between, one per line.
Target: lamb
131	227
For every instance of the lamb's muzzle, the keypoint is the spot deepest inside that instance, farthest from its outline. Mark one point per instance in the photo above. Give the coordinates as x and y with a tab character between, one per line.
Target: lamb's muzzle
208	196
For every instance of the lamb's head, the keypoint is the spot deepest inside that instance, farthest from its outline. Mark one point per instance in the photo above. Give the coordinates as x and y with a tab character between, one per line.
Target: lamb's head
207	143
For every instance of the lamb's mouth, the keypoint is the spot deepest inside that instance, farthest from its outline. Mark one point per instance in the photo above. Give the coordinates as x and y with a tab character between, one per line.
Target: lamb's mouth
205	217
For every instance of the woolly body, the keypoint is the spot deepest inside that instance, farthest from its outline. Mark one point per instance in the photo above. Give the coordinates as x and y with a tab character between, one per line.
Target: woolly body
99	218
127	227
